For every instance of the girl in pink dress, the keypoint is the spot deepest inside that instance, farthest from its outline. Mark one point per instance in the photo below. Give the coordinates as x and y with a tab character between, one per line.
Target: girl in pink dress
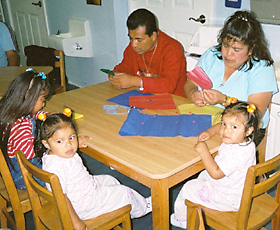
220	185
87	195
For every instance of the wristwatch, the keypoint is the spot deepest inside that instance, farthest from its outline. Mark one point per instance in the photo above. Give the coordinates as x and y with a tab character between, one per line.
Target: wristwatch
141	88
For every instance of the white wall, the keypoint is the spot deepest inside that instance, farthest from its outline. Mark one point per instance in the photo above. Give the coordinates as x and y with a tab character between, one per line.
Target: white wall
272	32
109	36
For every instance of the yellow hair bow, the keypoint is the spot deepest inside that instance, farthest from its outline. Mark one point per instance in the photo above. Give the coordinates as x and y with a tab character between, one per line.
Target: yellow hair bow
42	117
251	108
231	100
67	112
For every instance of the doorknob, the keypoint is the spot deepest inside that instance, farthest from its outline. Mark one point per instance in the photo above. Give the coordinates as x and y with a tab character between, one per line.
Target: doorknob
37	4
201	19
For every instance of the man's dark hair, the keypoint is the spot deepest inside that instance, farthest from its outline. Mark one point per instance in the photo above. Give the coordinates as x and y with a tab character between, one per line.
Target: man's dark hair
142	17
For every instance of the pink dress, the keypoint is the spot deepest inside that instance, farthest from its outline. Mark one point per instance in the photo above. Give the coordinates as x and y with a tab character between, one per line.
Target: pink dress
91	195
222	194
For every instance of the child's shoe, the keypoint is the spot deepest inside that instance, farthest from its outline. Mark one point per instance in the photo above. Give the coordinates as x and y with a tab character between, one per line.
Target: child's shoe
149	205
175	222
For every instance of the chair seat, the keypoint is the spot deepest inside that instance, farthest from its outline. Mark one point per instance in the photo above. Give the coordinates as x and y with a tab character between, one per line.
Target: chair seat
48	215
108	220
262	208
23	197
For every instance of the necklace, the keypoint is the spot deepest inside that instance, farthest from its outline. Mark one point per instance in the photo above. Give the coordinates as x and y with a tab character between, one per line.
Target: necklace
149	74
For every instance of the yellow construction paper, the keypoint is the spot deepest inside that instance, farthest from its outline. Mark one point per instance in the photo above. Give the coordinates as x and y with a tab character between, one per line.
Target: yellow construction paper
212	110
77	115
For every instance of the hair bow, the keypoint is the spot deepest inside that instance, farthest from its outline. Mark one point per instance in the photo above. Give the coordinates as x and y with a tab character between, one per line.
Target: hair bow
231	100
243	18
251	108
67	112
42	117
42	75
30	70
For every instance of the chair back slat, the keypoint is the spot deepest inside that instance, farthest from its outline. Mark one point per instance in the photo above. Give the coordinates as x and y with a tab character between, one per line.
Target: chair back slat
53	213
60	63
252	190
270	182
10	192
36	192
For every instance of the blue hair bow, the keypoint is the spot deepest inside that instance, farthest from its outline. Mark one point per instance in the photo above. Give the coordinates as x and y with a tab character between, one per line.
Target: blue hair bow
30	70
42	75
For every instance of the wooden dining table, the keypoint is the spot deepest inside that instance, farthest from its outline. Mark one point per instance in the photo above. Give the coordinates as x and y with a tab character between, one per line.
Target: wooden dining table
157	162
9	73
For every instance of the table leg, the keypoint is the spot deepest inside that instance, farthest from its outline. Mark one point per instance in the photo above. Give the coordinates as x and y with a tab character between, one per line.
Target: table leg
160	202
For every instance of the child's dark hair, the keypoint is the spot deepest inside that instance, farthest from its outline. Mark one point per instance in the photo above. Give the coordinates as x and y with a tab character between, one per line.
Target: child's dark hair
252	117
19	101
46	129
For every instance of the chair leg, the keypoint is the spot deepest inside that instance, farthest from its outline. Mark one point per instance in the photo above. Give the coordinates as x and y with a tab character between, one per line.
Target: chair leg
126	224
275	223
11	220
3	218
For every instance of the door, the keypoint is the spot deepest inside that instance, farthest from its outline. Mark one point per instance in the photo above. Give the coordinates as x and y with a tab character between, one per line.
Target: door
1	13
28	20
174	15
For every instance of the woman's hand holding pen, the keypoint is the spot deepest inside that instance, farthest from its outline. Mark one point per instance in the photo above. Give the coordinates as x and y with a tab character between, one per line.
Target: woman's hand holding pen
213	97
198	99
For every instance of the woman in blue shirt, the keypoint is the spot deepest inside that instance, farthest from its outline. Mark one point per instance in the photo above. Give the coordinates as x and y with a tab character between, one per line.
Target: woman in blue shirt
239	66
8	53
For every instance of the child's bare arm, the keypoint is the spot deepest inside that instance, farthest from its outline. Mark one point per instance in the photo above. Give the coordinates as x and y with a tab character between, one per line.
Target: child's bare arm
210	165
212	131
77	222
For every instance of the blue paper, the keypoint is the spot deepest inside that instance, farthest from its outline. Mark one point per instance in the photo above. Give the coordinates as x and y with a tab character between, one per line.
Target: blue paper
123	99
139	124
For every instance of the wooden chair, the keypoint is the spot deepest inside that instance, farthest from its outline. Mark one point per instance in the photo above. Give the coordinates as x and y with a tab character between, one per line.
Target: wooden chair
257	207
261	148
196	219
60	64
54	214
11	199
43	56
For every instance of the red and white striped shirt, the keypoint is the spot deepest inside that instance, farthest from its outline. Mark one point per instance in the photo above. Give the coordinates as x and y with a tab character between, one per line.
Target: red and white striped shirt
21	137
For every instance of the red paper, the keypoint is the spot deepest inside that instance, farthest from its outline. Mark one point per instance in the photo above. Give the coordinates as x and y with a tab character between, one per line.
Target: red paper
156	102
200	78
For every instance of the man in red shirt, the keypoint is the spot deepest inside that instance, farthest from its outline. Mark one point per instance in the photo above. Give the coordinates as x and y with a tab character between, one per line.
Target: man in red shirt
153	61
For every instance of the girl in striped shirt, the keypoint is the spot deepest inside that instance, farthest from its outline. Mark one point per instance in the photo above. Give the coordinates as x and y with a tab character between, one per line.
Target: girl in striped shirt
19	108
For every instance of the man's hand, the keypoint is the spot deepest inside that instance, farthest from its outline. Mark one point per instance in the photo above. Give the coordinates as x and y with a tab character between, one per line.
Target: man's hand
124	81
